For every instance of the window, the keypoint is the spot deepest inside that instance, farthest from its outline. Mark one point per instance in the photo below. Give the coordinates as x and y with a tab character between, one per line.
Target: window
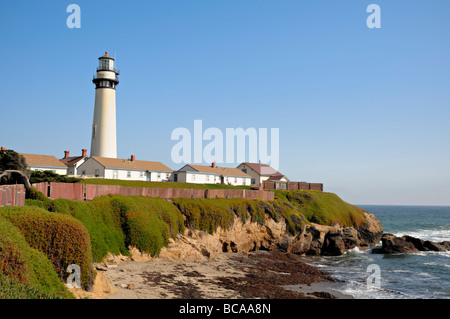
253	181
142	173
83	172
244	170
106	64
159	175
244	181
97	172
193	177
128	174
115	174
235	179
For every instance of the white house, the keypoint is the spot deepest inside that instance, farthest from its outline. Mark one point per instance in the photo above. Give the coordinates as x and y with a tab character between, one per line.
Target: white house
261	172
125	169
37	162
201	174
74	162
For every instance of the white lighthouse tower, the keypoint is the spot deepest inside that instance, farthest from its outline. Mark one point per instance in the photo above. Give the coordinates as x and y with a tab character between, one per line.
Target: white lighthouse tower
104	137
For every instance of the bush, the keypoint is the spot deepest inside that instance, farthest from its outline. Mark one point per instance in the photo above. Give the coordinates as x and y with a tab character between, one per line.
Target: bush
147	222
63	239
34	194
49	176
115	222
25	272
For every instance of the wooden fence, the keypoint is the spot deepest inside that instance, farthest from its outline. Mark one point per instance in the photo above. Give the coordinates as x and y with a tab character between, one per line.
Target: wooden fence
12	195
90	191
291	186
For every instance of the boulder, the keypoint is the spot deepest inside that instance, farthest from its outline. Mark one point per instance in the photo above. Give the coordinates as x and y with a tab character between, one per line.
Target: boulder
334	244
370	232
408	244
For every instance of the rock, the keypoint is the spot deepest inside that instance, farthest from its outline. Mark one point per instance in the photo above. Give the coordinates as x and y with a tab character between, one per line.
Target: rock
408	244
333	244
130	286
244	237
370	232
395	245
112	259
101	288
100	267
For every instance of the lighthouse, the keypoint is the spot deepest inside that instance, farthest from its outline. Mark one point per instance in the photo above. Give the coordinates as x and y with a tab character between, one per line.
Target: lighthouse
104	137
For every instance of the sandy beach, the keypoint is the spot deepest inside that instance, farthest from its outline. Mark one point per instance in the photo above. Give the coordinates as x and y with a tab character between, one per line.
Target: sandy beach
262	274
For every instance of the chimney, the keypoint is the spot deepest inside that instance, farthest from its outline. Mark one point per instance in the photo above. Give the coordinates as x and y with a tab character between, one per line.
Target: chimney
213	165
66	154
84	152
133	158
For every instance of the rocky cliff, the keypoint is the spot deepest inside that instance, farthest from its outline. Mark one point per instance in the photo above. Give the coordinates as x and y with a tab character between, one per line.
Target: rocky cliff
243	237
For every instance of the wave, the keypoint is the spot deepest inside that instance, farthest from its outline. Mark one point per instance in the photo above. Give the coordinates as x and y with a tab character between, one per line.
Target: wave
437	264
361	291
437	235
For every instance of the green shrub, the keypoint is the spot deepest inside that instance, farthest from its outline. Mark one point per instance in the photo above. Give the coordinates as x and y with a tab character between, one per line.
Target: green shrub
25	272
147	222
34	194
63	239
49	176
115	222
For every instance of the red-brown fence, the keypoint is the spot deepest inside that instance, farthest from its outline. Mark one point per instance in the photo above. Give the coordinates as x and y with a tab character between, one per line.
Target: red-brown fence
91	191
12	195
303	186
67	191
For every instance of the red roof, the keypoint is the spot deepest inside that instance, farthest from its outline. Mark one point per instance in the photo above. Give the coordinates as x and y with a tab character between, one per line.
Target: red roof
69	161
263	169
275	177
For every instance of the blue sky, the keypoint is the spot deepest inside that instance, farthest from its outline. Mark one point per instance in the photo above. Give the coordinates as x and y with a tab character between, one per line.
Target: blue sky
365	111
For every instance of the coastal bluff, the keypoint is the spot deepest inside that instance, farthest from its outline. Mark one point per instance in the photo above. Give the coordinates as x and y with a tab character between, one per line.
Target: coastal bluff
244	237
114	229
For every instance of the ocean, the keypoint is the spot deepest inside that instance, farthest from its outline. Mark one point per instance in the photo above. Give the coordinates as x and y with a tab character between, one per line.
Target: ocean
426	275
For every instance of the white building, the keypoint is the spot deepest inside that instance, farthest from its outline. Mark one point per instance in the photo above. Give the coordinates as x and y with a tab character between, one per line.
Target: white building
262	172
200	174
74	162
125	169
104	136
37	163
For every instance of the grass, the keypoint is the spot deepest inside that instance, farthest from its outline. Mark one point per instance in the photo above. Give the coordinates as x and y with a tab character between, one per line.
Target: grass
159	184
322	208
